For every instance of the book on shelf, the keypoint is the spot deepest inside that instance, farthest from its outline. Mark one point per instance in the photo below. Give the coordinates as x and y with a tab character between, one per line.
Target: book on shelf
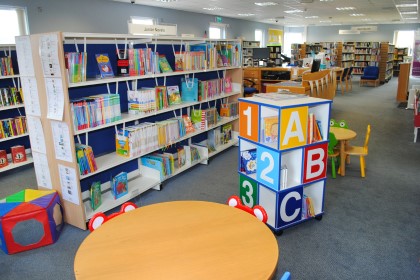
164	65
181	157
3	159
189	127
119	185
270	129
174	95
95	195
122	63
12	127
179	61
75	63
307	207
104	65
195	155
85	159
161	97
228	84
283	177
137	139
214	139
10	96
229	109
141	101
249	161
227	132
6	66
18	154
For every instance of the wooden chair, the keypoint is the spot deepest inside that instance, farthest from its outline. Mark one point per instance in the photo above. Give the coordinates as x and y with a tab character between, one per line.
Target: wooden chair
349	82
333	153
342	80
360	151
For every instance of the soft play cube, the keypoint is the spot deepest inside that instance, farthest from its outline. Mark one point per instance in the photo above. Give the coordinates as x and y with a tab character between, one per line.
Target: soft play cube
30	219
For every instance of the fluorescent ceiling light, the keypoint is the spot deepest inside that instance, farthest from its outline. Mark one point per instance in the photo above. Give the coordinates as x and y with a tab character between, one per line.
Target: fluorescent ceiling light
213	9
365	19
405	5
411	18
408	13
356	15
345	8
293	11
246	15
312	17
166	1
325	21
264	4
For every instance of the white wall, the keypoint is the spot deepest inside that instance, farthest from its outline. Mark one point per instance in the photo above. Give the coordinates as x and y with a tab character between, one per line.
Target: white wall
105	16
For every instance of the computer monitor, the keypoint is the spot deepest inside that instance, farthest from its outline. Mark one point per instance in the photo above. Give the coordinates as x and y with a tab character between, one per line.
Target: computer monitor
316	63
261	53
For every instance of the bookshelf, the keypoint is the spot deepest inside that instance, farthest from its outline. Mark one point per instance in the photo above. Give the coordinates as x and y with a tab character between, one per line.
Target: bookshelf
247	53
399	54
365	54
64	174
403	82
347	55
298	52
386	63
275	55
280	175
11	107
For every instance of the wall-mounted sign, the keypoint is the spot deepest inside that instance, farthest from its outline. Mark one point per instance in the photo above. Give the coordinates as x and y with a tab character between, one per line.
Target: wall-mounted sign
369	28
218	19
347	32
141	29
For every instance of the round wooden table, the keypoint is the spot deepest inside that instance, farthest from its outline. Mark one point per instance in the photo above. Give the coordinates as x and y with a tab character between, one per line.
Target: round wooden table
179	240
343	135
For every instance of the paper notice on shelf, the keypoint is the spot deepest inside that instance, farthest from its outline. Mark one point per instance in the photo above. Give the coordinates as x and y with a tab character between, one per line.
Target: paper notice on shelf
30	96
48	45
24	56
61	138
36	134
68	182
55	98
42	171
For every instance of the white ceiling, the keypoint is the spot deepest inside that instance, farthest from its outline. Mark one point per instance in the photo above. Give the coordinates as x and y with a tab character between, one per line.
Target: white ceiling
374	11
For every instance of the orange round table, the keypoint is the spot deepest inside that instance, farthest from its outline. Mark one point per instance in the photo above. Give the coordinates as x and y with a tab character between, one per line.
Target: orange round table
343	135
179	240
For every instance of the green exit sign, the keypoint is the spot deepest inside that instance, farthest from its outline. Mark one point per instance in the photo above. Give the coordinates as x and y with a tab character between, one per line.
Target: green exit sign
218	19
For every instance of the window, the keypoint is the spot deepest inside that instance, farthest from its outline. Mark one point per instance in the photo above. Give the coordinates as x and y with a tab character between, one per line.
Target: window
291	38
13	22
259	36
404	39
217	31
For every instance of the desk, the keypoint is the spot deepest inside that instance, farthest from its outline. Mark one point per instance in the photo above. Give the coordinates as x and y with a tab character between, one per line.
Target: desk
343	135
179	240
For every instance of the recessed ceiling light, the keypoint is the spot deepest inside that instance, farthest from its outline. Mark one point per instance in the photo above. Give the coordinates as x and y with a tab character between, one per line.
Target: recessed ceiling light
326	0
411	18
293	11
246	15
408	13
405	5
346	8
325	21
312	17
264	4
213	9
166	1
356	15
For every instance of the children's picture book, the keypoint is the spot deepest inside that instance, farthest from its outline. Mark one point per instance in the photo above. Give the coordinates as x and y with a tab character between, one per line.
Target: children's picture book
227	132
3	158
119	185
95	195
104	65
164	64
181	157
228	84
179	61
174	95
271	129
18	153
189	127
249	161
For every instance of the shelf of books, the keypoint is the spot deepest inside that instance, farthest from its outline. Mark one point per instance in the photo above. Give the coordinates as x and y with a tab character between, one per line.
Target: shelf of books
399	54
248	53
298	52
387	62
124	113
283	143
14	140
347	55
365	54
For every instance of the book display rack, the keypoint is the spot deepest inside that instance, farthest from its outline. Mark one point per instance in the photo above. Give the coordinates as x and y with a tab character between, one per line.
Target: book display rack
365	54
111	119
386	64
283	142
12	113
399	54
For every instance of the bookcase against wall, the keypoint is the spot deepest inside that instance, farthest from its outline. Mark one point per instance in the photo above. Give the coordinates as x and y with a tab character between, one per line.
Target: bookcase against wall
347	55
365	54
248	52
282	161
297	53
399	54
13	127
275	55
387	62
62	136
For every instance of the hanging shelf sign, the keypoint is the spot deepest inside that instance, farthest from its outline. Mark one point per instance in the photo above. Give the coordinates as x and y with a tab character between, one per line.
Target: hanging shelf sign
141	29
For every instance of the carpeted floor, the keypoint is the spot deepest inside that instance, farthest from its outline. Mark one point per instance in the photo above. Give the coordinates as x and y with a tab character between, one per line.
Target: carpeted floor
370	229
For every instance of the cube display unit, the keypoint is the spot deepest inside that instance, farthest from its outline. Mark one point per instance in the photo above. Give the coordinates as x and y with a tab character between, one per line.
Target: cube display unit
283	151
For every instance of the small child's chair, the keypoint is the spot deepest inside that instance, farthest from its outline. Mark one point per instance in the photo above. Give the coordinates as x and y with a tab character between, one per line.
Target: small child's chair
333	153
360	151
100	218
